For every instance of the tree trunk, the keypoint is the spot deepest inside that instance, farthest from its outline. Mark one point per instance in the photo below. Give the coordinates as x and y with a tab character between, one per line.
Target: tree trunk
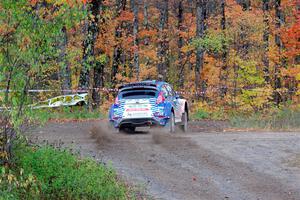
65	72
87	75
224	70
191	6
9	77
266	41
91	91
279	23
180	44
98	82
135	39
200	23
163	45
117	56
146	15
132	4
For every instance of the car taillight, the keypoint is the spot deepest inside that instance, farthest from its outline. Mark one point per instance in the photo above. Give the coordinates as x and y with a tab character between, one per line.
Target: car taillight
160	98
117	101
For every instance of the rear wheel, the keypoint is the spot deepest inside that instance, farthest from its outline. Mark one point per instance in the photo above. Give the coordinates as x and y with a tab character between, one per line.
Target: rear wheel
170	125
184	125
130	129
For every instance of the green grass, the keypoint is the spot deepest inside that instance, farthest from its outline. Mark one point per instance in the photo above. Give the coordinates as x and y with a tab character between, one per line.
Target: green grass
214	115
48	173
200	114
68	113
279	119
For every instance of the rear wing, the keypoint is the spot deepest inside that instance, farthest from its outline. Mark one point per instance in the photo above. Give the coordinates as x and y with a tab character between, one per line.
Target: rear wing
137	85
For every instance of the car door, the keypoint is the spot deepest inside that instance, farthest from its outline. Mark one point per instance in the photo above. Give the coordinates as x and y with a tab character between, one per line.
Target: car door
168	99
174	102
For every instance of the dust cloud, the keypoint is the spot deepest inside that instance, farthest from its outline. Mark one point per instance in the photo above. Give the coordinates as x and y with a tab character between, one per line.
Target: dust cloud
102	134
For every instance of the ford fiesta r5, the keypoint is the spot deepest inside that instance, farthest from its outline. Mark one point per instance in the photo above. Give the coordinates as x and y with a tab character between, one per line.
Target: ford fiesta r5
148	103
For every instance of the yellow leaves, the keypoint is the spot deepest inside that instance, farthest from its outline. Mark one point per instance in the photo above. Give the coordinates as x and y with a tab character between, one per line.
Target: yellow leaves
18	180
187	48
298	77
292	72
254	99
148	72
10	178
3	155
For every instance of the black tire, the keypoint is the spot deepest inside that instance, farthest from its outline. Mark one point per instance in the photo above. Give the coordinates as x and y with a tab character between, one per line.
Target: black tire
170	125
129	129
184	125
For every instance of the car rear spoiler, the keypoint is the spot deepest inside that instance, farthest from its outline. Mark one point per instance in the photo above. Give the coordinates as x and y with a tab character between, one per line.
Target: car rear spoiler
137	85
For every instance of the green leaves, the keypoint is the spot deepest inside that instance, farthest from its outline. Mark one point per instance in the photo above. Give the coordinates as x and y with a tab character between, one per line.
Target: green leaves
29	44
102	59
212	42
62	175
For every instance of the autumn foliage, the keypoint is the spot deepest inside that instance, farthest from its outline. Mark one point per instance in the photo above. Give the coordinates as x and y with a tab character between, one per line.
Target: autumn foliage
251	55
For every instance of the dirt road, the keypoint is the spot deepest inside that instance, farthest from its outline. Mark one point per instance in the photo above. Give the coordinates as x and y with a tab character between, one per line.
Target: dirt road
196	165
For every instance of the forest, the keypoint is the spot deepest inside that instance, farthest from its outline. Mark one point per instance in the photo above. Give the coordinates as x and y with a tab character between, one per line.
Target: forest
241	55
227	57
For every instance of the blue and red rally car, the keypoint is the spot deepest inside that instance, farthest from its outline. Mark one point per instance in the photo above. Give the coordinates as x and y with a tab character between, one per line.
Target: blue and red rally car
148	103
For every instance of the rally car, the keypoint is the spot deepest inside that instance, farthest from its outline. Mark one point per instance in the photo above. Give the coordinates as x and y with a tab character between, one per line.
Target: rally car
148	103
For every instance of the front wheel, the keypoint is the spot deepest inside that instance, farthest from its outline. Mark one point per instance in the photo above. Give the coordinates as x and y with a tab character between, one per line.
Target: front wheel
184	125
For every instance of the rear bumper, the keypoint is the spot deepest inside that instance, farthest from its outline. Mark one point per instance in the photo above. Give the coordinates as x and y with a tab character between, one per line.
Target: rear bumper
140	122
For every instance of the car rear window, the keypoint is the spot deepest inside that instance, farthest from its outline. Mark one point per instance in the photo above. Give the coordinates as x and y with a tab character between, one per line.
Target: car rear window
138	94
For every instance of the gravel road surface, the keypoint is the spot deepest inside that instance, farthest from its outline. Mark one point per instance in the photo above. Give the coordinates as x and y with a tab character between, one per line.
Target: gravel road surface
202	164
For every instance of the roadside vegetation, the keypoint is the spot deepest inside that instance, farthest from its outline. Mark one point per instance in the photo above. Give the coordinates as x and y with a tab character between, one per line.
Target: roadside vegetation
283	118
65	114
49	173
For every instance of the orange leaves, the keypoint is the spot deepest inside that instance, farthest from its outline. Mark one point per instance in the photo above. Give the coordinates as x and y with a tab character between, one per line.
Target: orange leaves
291	33
211	70
291	40
291	72
149	53
148	72
125	16
147	33
33	2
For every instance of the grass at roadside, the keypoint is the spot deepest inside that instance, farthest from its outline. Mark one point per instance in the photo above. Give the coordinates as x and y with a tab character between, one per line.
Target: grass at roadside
201	114
285	119
49	173
65	113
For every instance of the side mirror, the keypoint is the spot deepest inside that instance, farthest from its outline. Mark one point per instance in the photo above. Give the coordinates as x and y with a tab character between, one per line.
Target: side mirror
177	96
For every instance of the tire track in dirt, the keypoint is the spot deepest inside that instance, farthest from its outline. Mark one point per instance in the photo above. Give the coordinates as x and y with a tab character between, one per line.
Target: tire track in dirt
170	166
142	157
236	180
